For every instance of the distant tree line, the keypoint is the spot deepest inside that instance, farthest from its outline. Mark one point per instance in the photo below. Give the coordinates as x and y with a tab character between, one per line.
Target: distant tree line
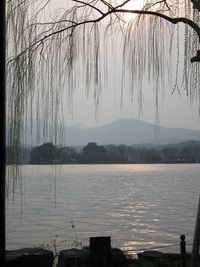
22	156
92	153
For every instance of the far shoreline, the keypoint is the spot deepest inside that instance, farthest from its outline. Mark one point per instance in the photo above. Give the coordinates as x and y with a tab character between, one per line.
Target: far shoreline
128	163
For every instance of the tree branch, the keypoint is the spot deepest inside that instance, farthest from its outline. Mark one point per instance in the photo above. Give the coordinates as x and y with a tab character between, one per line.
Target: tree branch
88	4
116	10
186	21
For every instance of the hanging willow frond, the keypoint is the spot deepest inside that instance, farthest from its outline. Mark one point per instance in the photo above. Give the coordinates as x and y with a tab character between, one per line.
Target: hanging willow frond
52	54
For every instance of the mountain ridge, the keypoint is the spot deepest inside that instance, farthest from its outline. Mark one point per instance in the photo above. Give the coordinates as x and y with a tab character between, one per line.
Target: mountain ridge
129	132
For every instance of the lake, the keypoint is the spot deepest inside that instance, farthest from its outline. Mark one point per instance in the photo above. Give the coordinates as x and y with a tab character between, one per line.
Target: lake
139	206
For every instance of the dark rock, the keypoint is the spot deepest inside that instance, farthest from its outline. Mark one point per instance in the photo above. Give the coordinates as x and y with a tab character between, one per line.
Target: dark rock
29	257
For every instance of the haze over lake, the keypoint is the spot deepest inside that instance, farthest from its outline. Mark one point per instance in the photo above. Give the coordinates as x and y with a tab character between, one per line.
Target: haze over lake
140	206
122	131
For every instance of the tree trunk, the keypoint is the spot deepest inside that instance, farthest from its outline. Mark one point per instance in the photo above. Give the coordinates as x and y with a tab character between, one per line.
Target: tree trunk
196	241
2	133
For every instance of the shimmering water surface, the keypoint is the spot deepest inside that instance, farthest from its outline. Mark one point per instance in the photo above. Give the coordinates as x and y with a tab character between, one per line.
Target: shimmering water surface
139	206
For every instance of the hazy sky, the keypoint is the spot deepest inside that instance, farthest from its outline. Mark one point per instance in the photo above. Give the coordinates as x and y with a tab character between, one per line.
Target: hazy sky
174	110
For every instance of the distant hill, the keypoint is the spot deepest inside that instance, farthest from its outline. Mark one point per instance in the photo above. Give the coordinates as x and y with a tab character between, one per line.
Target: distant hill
122	131
128	132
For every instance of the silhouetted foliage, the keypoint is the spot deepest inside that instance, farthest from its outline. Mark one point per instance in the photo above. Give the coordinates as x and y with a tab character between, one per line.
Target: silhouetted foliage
119	153
186	152
170	154
92	153
152	156
44	154
68	155
23	158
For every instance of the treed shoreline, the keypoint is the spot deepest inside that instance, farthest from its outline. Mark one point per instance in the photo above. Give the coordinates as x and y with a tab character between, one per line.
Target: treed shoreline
92	153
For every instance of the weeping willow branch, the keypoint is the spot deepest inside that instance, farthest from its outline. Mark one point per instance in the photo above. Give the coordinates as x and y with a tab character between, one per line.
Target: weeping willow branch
50	56
74	24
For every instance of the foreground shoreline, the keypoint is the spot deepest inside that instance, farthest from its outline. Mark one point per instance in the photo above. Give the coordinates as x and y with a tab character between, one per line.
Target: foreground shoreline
39	257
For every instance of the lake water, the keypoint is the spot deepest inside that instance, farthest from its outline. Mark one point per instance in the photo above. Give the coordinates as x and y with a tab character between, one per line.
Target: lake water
139	206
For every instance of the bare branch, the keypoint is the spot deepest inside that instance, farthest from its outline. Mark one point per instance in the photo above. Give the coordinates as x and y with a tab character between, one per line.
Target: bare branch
149	6
186	21
107	4
53	22
74	24
123	4
88	4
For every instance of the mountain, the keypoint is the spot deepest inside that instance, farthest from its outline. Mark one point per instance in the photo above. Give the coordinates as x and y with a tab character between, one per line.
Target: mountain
128	132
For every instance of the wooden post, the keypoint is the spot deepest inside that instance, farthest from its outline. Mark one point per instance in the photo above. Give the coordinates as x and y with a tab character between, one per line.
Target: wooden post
196	240
183	251
2	134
